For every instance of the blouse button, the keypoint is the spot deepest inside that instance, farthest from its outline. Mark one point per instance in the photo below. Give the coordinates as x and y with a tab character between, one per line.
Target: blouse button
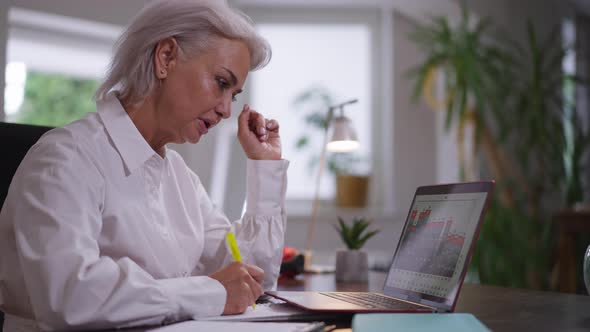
165	234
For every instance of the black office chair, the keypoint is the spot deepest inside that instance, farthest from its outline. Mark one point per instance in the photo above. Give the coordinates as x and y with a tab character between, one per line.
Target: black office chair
15	141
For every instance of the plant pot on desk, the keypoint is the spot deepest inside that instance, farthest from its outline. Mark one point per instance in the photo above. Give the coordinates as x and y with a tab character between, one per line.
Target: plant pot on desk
352	265
352	190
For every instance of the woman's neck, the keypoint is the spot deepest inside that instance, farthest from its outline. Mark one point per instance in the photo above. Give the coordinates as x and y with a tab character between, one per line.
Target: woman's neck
145	119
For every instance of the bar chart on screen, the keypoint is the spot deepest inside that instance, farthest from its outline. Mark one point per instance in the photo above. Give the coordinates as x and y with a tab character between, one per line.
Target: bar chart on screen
434	244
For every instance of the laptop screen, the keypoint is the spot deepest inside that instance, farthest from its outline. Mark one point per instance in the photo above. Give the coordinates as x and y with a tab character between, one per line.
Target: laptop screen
436	243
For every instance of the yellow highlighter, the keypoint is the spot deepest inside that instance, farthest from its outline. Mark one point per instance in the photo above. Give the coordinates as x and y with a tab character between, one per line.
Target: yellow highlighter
230	238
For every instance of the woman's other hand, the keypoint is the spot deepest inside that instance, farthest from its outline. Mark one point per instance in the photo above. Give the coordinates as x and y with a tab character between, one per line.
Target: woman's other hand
242	284
258	136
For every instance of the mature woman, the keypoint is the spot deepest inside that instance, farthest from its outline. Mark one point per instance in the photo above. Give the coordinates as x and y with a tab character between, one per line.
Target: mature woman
104	226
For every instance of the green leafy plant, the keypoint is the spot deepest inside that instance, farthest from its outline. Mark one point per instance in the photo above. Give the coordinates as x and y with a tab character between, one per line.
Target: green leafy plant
513	249
476	85
55	100
526	129
546	136
471	67
355	235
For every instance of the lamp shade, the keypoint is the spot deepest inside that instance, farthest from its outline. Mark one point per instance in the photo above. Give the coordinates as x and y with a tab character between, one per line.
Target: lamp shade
343	137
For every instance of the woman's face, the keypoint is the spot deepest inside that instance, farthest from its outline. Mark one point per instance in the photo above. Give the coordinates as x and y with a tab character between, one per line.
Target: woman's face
197	93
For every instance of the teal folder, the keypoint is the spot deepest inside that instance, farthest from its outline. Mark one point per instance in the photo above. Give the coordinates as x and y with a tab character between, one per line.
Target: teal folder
416	322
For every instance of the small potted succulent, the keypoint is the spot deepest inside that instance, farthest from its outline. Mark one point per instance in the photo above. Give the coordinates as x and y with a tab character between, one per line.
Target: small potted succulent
353	264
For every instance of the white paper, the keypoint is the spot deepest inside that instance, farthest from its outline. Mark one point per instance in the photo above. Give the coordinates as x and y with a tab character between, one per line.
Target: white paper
192	326
275	309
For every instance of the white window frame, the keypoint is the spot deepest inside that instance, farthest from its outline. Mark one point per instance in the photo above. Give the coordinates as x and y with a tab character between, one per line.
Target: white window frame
381	200
90	42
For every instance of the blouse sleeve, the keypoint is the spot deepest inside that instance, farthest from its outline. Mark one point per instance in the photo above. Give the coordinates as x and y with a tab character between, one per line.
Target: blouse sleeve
260	232
56	198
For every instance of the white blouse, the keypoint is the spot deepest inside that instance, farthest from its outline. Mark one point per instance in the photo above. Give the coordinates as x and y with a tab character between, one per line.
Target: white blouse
99	231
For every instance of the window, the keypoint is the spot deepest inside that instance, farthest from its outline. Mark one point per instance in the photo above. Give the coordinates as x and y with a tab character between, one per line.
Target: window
46	99
330	60
54	65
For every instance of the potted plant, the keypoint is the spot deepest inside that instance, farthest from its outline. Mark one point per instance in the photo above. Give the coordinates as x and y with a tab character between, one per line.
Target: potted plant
476	86
353	264
349	169
526	130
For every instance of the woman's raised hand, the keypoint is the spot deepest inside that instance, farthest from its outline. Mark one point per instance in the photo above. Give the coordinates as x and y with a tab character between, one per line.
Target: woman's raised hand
258	136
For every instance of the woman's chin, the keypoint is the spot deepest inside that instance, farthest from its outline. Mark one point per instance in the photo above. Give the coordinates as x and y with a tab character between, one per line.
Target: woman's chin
190	133
192	139
190	136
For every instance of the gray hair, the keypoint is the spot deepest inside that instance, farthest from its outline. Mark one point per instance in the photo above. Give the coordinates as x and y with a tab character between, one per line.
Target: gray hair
192	23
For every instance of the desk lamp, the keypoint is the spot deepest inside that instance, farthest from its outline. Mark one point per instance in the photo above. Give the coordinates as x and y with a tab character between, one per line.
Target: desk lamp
343	139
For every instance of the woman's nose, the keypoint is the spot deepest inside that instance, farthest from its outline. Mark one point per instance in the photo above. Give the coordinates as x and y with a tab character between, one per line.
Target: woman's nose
224	108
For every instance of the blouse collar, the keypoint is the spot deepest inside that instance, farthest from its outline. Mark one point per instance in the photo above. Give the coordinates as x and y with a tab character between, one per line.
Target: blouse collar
131	145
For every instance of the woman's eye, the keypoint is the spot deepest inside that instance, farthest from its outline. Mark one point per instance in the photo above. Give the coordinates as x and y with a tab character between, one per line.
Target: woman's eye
223	84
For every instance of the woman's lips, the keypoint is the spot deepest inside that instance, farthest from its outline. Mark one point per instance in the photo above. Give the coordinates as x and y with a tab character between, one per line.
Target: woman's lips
202	127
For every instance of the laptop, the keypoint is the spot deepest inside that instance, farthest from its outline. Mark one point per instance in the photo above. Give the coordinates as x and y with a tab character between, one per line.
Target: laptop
430	261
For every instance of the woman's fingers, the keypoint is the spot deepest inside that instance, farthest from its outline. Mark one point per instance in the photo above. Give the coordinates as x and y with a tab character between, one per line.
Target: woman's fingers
256	272
272	124
244	121
273	128
242	283
262	128
255	290
257	125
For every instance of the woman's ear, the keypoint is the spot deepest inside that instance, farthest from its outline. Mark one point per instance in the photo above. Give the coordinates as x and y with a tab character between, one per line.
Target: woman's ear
165	57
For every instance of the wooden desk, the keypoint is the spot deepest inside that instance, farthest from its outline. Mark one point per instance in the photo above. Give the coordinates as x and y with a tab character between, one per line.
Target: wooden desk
500	309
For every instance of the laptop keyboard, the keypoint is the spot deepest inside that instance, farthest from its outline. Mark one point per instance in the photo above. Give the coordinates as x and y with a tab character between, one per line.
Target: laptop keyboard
371	300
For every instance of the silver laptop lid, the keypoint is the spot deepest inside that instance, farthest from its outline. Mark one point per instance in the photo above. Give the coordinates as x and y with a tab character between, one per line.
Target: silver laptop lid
437	242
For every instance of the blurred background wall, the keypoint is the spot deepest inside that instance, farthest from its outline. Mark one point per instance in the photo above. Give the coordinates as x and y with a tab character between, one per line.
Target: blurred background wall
68	43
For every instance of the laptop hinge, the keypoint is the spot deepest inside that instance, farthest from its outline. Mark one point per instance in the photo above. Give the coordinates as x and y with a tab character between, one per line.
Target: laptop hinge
416	303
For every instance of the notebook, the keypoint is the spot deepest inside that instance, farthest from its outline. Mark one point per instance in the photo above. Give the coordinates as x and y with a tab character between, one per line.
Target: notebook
192	326
417	322
430	261
268	309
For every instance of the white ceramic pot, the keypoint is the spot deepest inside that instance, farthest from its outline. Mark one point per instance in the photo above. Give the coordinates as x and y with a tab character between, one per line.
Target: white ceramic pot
352	265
